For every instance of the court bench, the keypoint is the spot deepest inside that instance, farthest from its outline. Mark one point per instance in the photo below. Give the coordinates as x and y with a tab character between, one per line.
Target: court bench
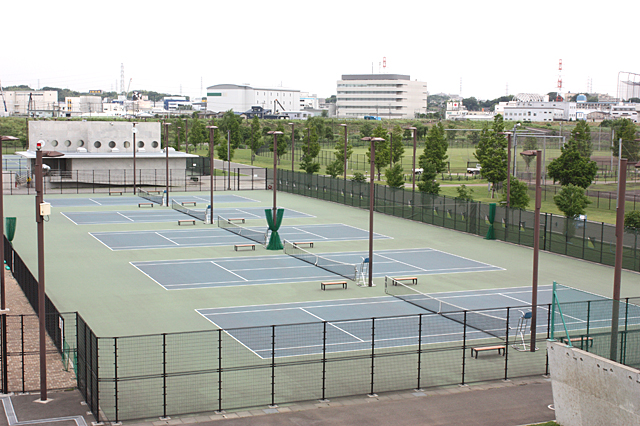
499	348
237	246
582	340
185	221
300	243
414	280
184	203
324	285
115	192
145	204
236	219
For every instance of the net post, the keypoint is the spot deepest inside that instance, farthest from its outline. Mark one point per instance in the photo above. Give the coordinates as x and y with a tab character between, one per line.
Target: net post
419	347
464	345
324	360
115	375
164	375
553	311
273	366
373	353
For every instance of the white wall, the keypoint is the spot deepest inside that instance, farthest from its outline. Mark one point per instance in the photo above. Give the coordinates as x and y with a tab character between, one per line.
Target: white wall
589	390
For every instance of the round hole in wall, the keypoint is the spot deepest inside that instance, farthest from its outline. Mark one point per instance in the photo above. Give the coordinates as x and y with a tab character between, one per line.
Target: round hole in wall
126	144
112	144
154	144
80	142
97	144
140	144
54	143
67	143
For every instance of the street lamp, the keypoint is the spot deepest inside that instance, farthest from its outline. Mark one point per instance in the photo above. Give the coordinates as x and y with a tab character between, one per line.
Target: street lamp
371	197
292	143
275	134
415	140
3	304
166	150
345	155
134	131
536	245
212	129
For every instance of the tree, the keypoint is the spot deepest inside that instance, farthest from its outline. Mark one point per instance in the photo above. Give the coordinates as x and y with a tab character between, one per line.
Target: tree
198	134
398	146
519	195
256	140
491	152
310	150
530	144
220	141
464	193
328	133
395	176
359	177
632	219
471	104
179	133
231	122
281	141
581	139
427	182
435	148
572	168
340	153
571	201
382	149
334	168
625	129
366	130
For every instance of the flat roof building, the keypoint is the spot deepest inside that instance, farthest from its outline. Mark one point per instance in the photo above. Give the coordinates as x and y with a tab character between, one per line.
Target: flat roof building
240	98
380	95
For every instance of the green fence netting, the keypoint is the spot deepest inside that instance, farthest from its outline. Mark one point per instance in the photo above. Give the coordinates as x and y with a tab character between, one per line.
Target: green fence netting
10	226
274	240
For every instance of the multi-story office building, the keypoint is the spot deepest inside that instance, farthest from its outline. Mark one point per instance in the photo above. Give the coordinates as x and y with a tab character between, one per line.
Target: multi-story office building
380	95
240	98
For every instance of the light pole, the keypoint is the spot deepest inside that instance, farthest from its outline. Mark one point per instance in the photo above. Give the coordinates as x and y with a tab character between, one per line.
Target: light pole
212	130
345	154
617	272
166	150
275	134
186	135
293	153
229	159
134	131
415	140
371	205
536	245
2	283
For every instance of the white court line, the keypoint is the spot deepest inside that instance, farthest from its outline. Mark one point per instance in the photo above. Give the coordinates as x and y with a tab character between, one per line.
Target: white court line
102	242
91	199
333	325
128	218
72	221
231	272
248	213
12	418
168	239
230	335
310	233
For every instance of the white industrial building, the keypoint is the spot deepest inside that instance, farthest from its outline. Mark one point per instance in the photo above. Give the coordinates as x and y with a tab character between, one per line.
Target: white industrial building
240	98
537	111
381	95
36	103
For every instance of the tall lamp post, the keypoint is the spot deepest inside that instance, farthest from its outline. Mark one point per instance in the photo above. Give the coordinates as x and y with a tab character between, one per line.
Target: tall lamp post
415	142
345	153
134	131
293	153
166	151
275	134
212	130
371	205
3	302
536	245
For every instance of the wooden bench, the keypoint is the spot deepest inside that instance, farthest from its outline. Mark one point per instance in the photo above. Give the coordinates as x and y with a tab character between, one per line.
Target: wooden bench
308	243
499	348
414	280
194	178
236	219
581	340
115	192
191	221
193	203
145	204
324	285
237	246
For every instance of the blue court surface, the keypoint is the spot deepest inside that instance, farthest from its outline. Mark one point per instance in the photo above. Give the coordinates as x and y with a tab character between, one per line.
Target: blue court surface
215	237
163	214
130	200
277	269
396	323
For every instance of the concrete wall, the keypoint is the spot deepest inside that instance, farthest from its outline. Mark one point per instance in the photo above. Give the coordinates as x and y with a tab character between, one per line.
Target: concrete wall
589	390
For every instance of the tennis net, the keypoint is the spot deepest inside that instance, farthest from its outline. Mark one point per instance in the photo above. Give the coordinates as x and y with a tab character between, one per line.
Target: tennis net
197	214
158	199
493	325
347	270
253	235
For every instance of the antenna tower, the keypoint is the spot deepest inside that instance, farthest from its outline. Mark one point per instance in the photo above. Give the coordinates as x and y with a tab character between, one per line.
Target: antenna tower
558	96
384	64
460	86
122	78
589	85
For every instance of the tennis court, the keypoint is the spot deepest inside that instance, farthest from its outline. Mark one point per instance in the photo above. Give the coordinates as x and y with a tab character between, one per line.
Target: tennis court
133	201
216	237
280	269
395	320
160	214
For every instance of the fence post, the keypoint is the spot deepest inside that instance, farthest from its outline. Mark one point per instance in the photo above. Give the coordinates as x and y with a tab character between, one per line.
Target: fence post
601	240
273	363
546	365
5	364
115	374
22	349
419	349
219	370
464	344
506	346
164	375
373	352
324	360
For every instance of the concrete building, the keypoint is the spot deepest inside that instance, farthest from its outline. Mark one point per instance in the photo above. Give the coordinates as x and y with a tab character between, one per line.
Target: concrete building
99	145
381	95
240	98
537	111
36	103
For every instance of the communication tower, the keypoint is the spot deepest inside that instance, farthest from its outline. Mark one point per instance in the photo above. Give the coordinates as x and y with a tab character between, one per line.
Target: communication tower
559	91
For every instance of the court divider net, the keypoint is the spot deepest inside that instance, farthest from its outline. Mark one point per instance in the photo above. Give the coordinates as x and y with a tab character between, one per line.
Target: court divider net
479	320
347	270
253	235
198	214
158	199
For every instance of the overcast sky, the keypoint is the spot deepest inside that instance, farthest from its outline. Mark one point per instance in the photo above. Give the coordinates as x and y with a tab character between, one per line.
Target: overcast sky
179	47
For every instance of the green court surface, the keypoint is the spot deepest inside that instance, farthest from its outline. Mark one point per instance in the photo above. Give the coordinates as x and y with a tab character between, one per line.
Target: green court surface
116	299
